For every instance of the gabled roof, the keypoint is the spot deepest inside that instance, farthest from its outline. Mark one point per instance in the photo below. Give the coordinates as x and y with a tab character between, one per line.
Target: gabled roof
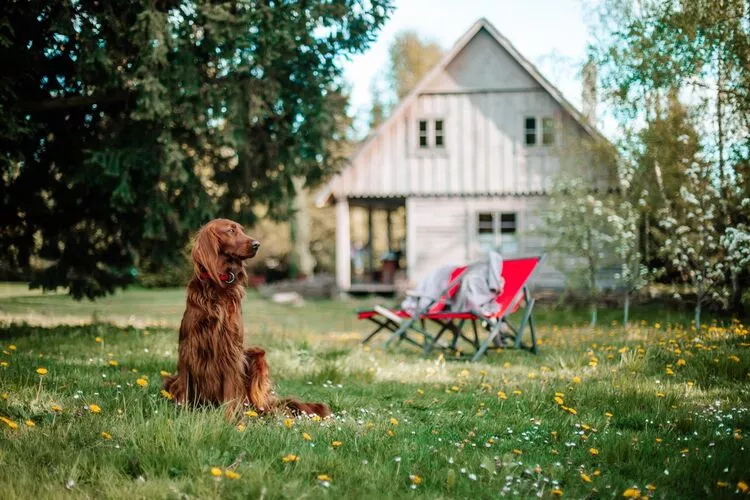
462	42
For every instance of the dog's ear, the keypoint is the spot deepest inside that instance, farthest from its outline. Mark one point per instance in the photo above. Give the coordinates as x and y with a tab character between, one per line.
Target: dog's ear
206	254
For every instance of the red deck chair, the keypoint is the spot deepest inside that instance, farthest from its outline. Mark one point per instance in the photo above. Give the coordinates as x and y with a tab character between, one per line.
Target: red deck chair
515	294
400	322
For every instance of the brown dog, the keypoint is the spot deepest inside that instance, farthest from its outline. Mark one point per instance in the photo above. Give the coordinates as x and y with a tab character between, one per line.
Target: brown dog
214	367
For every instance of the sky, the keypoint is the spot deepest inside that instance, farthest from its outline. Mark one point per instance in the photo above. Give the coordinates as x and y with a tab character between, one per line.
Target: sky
552	34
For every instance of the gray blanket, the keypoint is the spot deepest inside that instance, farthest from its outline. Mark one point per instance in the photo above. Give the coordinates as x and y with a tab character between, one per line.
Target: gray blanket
480	285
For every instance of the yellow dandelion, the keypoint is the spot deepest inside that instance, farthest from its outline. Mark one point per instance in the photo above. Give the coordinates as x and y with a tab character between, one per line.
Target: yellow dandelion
742	486
659	394
722	484
650	487
669	372
4	364
632	493
142	382
516	451
597	473
113	362
230	474
41	371
306	436
391	433
215	472
559	400
106	435
415	479
585	478
95	409
572	411
57	408
608	414
576	379
4	396
316	418
681	362
593	451
98	340
12	347
288	423
240	427
734	358
166	394
165	373
251	414
557	492
659	440
419	391
9	422
324	477
517	392
394	421
502	395
336	444
30	423
290	458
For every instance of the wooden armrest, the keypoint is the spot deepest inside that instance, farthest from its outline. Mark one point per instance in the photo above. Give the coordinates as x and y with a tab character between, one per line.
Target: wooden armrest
387	313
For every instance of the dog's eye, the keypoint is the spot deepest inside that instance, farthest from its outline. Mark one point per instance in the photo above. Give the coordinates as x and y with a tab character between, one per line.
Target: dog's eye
231	230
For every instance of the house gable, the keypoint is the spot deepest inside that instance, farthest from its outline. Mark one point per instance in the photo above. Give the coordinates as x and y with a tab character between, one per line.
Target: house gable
483	64
482	92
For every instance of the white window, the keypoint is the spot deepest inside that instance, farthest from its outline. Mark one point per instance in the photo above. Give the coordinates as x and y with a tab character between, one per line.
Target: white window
431	134
498	231
439	137
530	130
548	131
423	143
535	135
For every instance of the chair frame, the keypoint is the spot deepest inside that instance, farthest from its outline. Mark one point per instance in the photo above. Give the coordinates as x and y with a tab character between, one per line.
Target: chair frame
454	322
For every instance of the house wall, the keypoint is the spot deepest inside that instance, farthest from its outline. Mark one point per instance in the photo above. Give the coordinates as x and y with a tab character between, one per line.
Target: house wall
443	231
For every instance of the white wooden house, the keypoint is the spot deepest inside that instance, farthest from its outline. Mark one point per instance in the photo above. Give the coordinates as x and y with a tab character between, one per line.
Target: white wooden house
463	164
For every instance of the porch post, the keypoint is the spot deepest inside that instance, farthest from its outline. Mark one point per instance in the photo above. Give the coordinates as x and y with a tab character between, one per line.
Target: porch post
389	229
370	242
343	245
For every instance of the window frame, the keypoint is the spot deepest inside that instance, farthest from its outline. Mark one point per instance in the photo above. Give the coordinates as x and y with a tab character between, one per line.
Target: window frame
543	137
423	134
498	237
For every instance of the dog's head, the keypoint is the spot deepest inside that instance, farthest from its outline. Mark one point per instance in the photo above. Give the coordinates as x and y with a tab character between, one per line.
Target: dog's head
221	246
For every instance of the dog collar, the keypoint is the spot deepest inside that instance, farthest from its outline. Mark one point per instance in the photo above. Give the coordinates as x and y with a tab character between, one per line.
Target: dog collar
227	278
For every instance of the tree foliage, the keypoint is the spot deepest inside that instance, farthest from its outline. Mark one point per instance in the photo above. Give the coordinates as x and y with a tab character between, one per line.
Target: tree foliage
411	58
128	124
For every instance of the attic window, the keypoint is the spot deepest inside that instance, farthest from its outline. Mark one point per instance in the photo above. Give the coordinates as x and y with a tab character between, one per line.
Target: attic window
548	131
530	130
423	134
439	140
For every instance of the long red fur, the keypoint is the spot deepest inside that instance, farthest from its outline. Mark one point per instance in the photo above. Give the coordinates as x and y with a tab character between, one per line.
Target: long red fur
213	366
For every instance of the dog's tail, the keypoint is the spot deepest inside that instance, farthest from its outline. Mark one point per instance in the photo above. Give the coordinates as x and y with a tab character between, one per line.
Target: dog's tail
296	407
259	389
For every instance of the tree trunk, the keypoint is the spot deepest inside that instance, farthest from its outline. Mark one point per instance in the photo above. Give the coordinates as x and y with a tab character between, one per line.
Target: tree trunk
698	314
302	262
594	313
627	310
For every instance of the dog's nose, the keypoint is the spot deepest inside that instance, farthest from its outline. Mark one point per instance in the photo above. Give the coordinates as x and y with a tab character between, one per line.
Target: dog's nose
255	244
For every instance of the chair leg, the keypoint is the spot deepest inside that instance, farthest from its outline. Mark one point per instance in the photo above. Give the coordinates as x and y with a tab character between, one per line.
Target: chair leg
494	332
533	335
526	316
376	331
399	333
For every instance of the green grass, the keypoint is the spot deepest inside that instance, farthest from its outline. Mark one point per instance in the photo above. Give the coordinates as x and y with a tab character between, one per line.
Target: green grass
682	433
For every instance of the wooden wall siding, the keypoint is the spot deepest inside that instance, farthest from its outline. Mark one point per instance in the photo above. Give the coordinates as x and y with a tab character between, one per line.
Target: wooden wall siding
443	231
484	149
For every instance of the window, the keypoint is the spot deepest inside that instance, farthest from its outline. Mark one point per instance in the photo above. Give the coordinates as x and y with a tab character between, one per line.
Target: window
530	130
498	231
548	131
431	134
423	133
439	134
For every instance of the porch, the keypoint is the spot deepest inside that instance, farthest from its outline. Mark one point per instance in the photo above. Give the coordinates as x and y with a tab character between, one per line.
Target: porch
371	237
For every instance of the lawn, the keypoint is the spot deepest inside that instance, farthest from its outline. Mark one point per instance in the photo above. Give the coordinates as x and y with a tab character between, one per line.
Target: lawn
659	410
